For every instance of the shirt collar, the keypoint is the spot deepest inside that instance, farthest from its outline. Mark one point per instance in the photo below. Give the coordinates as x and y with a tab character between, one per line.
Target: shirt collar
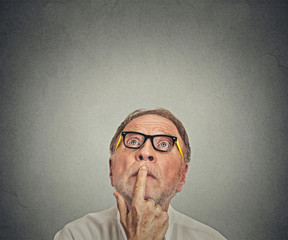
171	222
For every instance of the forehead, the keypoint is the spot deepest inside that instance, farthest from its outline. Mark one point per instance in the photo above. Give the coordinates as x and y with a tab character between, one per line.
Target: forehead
152	124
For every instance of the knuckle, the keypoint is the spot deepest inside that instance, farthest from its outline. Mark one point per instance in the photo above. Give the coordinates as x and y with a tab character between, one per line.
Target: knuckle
138	186
136	202
135	205
150	203
123	222
165	216
158	210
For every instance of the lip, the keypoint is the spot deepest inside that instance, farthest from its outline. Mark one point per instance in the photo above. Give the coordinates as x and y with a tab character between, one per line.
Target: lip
149	174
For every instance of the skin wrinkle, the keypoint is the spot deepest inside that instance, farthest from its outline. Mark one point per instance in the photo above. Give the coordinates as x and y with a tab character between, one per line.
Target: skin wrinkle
155	130
163	129
168	167
158	112
128	191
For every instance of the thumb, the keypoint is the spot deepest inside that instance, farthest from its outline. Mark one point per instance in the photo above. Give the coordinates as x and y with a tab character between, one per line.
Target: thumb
121	204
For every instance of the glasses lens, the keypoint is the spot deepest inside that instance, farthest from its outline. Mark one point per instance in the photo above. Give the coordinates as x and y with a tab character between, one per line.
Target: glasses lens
163	143
134	140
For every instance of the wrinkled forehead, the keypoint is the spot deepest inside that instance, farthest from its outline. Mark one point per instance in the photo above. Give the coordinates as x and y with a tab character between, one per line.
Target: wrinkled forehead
152	124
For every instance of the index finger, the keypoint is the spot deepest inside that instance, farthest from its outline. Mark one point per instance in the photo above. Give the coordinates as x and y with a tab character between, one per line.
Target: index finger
139	190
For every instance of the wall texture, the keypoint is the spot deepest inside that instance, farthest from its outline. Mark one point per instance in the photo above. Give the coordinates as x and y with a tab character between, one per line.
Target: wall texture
72	70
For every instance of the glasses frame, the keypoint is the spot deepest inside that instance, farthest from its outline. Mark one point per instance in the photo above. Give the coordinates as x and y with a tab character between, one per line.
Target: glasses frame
151	137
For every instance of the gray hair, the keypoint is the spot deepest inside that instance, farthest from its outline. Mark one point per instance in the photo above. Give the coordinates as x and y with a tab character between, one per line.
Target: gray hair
161	112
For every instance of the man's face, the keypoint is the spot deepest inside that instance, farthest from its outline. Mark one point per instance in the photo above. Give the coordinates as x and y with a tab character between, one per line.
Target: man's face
166	170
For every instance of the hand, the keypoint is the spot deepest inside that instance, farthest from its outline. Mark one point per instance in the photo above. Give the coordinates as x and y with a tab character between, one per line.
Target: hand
143	219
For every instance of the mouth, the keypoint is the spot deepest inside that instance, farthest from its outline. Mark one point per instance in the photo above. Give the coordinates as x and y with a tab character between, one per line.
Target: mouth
149	174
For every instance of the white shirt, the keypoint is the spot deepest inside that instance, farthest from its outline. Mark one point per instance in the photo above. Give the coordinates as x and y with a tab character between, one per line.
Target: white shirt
106	225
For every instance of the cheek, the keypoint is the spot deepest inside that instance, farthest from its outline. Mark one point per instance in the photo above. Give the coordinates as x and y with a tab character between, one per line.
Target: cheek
121	164
119	168
172	168
171	171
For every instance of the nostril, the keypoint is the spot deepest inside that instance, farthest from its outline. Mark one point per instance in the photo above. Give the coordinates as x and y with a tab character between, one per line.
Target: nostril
150	158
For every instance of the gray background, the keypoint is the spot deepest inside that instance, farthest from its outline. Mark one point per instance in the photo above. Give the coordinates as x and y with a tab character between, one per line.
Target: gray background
72	70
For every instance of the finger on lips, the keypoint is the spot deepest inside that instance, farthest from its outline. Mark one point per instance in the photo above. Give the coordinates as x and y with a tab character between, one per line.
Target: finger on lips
139	191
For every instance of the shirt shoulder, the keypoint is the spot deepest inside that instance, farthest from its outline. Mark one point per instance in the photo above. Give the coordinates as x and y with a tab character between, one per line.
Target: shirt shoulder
185	227
91	226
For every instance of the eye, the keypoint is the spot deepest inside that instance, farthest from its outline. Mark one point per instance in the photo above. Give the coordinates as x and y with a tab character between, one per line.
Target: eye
164	144
133	142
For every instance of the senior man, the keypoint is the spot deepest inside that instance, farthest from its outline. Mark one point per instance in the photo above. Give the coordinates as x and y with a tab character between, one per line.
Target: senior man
149	156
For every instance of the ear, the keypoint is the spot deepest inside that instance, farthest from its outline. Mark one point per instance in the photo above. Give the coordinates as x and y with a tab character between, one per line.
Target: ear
110	171
183	177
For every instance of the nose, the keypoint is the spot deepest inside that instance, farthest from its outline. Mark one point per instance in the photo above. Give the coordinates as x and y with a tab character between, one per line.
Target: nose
146	153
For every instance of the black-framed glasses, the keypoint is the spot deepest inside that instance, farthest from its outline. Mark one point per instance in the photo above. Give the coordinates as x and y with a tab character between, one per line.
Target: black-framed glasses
160	142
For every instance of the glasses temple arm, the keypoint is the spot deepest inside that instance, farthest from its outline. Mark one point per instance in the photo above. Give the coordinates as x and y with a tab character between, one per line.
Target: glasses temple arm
118	143
179	148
